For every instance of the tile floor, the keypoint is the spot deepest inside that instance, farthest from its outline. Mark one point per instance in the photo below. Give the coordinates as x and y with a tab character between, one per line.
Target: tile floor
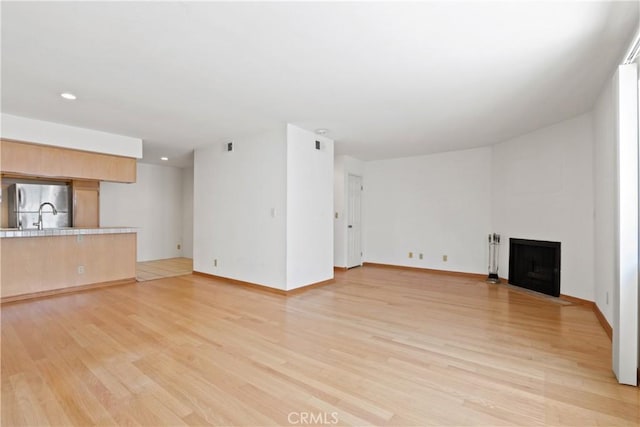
158	269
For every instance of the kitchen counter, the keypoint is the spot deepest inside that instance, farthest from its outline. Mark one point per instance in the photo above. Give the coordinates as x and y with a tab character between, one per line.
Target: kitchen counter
71	231
57	260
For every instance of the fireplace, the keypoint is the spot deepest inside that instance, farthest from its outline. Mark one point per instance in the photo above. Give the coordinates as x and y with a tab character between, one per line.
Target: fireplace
535	265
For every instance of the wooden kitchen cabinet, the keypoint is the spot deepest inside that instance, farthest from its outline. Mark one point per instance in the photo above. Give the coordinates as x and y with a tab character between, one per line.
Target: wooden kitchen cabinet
45	161
86	203
32	266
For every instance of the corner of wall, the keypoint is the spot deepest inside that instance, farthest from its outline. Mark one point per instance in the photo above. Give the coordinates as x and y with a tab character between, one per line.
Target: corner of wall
309	217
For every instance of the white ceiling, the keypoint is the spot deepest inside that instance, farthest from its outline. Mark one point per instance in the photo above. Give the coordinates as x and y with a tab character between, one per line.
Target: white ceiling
387	79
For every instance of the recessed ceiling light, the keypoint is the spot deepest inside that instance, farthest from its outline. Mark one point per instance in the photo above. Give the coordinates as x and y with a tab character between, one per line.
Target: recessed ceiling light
164	158
67	95
321	131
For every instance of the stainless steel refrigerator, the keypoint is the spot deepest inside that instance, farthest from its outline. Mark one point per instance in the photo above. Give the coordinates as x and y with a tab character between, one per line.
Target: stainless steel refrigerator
24	201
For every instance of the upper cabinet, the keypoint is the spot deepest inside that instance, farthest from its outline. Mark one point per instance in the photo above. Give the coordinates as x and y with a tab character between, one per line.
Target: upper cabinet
36	160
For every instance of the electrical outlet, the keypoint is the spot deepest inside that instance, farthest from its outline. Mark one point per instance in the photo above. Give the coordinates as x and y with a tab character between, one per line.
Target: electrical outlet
179	246
79	238
81	269
215	262
410	254
445	258
421	256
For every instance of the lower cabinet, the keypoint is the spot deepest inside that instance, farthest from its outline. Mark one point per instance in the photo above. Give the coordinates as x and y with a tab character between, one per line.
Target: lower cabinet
39	264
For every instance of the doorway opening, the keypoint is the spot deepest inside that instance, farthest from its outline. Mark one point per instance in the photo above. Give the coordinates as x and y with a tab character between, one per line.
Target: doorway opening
162	268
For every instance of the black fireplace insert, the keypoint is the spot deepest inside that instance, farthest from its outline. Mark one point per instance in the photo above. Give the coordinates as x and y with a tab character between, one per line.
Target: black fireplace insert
535	265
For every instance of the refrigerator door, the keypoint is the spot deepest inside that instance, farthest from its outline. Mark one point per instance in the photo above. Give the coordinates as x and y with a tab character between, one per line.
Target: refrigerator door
27	199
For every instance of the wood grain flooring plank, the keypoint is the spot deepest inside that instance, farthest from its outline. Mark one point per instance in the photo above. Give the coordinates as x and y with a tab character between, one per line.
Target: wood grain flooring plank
377	347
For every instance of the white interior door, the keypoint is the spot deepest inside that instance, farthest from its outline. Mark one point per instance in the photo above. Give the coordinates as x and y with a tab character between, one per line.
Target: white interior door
354	221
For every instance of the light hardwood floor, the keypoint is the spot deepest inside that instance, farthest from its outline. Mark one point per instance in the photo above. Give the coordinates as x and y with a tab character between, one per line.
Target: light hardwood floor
378	347
158	269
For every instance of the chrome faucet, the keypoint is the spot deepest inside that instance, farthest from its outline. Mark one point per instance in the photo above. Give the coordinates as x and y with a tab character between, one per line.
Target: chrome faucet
53	211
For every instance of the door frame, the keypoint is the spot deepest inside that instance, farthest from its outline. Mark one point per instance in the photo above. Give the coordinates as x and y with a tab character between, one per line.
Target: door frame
348	215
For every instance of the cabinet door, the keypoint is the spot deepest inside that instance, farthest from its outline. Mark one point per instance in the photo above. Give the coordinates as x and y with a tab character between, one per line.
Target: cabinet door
86	204
44	161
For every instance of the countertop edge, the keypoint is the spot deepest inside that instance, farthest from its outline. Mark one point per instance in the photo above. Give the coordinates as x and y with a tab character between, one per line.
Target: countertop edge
56	232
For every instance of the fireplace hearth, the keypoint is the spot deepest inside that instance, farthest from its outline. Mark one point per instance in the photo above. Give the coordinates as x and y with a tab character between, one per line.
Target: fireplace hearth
535	265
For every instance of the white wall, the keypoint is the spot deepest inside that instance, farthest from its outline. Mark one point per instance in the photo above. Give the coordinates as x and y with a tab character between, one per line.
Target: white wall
153	204
343	167
542	186
309	208
538	186
49	133
187	212
605	190
637	62
625	298
239	209
436	205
